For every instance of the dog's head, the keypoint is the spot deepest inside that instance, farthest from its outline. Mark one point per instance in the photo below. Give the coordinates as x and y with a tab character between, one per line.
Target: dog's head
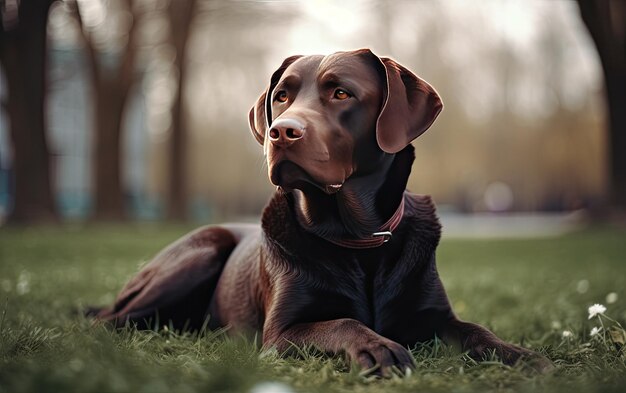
324	119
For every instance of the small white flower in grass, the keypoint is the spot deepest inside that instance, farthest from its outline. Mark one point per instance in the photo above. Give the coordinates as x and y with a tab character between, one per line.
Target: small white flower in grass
567	334
596	309
595	331
611	298
271	387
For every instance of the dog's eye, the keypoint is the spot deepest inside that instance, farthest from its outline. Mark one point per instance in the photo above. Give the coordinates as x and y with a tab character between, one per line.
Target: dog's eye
281	96
341	94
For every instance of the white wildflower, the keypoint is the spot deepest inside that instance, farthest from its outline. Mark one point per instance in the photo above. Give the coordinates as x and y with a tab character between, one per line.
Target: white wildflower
271	387
595	331
582	286
596	309
611	298
567	334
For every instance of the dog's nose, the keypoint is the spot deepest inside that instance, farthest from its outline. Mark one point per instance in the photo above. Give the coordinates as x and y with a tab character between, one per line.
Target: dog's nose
284	132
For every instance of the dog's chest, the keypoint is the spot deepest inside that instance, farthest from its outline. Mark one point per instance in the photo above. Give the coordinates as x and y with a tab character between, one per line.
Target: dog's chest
343	285
317	281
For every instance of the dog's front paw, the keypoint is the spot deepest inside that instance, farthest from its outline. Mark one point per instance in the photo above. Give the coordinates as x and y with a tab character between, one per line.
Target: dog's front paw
513	355
480	344
380	356
533	359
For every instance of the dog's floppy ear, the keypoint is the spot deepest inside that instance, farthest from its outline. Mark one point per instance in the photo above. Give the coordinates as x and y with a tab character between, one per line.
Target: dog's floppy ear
256	119
410	106
260	116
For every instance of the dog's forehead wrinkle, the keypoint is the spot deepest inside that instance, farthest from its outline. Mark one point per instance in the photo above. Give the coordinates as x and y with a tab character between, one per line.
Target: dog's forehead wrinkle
346	67
288	82
300	73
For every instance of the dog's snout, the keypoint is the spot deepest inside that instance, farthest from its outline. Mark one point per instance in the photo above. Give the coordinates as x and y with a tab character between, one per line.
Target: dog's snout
284	132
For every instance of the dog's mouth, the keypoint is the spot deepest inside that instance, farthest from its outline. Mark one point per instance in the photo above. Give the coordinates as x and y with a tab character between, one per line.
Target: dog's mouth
289	176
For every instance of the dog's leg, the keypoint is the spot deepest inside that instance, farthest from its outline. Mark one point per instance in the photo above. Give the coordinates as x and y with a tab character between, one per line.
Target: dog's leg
177	285
479	342
349	337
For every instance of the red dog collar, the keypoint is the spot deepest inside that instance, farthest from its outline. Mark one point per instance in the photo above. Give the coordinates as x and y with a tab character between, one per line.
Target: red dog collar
377	239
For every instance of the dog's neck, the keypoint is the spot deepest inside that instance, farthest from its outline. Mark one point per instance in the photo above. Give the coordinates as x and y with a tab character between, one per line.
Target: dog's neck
362	206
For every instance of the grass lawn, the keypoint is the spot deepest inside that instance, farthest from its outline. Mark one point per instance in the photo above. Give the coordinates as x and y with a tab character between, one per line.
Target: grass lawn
527	291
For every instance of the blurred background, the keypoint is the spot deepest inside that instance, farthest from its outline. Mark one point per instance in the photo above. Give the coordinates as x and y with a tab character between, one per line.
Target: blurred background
137	109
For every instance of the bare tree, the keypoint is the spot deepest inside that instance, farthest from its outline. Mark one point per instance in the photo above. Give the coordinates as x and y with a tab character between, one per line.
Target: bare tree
23	56
181	14
110	86
606	22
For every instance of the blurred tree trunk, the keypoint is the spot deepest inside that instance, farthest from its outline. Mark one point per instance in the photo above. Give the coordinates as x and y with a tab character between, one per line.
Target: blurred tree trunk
181	14
23	56
110	86
606	22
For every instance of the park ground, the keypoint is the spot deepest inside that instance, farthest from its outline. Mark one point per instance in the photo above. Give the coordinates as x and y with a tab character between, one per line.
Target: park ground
528	290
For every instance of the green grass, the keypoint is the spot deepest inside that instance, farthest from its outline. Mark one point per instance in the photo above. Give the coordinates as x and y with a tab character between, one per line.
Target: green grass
527	291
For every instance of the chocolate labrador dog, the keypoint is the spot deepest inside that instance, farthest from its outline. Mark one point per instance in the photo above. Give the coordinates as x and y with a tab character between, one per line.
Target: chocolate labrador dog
344	258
